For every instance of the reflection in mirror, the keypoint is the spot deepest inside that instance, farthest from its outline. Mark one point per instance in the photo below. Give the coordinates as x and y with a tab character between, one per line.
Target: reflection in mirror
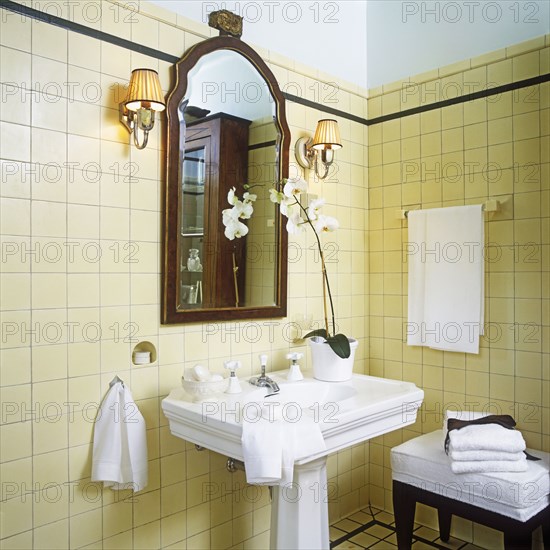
228	138
226	129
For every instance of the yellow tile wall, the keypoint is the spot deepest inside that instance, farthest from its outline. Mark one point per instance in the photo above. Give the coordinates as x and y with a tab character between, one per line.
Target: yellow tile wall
80	236
497	147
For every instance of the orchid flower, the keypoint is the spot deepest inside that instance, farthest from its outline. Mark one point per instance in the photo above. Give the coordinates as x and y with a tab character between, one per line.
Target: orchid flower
294	186
314	208
231	197
275	196
235	229
295	224
326	224
241	210
229	215
244	210
286	206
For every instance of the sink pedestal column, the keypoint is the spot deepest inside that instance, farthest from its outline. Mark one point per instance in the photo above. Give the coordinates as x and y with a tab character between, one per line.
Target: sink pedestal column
299	513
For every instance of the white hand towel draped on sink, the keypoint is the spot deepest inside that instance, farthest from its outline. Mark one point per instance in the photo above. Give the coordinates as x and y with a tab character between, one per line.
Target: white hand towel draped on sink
272	445
446	278
120	444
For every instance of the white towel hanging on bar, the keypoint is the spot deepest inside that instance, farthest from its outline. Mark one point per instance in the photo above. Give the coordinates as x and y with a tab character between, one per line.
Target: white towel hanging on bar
445	252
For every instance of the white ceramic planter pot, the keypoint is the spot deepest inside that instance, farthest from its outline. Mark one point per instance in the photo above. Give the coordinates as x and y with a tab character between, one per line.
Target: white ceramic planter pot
327	366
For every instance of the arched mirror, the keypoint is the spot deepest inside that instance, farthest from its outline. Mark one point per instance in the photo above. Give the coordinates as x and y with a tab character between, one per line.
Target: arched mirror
226	129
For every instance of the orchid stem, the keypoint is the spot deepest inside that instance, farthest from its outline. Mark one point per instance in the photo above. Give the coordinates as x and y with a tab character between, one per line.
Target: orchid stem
235	269
329	293
326	284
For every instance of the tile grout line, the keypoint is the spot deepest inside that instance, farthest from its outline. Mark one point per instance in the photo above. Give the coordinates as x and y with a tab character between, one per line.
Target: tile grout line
374	521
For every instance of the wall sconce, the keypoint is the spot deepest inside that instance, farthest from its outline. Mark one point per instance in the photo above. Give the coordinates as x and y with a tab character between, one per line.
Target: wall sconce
137	111
325	141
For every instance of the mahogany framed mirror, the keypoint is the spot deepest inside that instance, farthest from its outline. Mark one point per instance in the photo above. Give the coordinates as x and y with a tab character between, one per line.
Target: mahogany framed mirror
226	129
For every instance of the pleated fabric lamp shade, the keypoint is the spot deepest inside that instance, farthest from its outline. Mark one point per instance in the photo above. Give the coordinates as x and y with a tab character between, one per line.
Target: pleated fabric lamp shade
327	135
144	91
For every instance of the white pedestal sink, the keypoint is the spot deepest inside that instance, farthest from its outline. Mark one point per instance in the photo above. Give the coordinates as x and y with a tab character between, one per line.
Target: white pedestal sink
348	413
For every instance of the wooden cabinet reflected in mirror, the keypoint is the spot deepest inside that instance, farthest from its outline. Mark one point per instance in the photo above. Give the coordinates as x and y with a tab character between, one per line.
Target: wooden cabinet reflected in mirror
226	129
215	161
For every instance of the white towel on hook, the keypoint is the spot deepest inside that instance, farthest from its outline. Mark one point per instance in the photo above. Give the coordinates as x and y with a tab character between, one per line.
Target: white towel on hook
120	443
445	253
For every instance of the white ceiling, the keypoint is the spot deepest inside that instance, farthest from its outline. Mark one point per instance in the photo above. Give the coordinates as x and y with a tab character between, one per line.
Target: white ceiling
392	38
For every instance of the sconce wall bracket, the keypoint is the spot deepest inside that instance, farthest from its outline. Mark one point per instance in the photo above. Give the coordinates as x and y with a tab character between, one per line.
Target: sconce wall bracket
313	159
126	119
142	119
305	154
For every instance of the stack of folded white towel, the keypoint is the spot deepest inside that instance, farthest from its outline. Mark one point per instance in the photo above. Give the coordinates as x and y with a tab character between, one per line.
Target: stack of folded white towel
486	448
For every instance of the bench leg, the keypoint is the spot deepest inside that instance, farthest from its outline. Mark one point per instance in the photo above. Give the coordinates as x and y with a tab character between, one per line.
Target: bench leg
546	534
517	540
444	519
404	506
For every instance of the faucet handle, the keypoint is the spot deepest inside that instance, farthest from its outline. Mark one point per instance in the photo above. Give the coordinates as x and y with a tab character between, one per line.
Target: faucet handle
232	366
263	359
294	374
233	385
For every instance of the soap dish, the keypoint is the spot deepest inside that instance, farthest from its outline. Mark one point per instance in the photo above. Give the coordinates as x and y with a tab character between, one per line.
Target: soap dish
202	391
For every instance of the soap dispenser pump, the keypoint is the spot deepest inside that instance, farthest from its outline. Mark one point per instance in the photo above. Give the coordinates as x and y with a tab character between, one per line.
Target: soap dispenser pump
294	374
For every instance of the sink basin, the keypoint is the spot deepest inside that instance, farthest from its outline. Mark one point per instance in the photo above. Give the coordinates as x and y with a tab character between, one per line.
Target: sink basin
347	412
306	394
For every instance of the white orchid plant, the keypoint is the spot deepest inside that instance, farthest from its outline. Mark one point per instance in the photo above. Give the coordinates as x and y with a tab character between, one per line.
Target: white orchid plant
241	210
287	196
234	227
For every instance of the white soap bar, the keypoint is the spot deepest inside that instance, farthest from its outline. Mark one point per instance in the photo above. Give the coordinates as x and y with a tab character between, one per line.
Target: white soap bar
189	375
202	374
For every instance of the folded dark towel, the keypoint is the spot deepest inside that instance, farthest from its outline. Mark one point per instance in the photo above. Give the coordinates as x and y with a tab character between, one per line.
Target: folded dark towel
504	420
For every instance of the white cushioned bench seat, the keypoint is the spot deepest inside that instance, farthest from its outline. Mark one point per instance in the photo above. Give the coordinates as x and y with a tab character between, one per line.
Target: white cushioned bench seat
422	462
513	502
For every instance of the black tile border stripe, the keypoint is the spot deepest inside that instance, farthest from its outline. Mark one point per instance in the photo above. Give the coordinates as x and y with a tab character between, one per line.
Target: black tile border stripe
262	145
326	109
463	98
157	54
86	31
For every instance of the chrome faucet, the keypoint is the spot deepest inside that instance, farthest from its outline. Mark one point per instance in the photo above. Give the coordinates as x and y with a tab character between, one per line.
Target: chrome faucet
264	381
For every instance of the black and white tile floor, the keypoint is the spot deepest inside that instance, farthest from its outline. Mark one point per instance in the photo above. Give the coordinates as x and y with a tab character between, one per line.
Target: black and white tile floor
375	529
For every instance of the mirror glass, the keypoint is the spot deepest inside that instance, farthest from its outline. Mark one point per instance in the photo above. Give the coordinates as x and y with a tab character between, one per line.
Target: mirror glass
230	133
